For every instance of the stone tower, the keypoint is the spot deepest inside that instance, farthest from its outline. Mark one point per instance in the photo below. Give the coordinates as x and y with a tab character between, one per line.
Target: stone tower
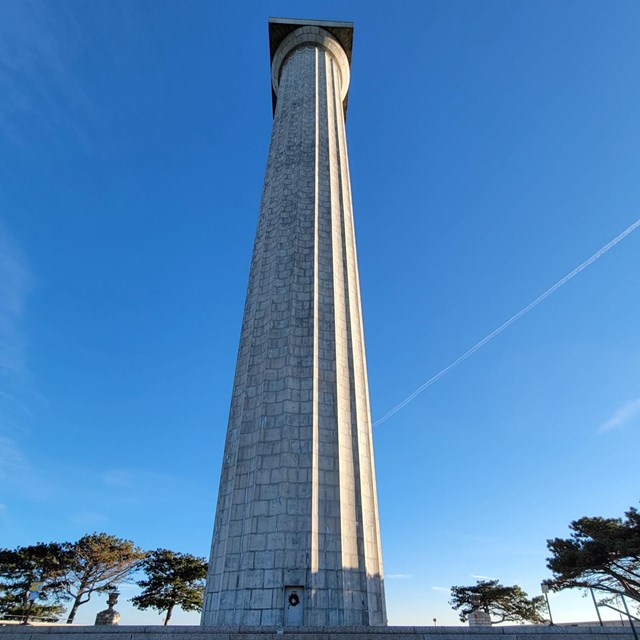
296	538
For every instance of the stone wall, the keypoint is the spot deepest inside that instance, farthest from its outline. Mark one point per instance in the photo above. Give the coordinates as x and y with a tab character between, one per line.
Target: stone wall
524	632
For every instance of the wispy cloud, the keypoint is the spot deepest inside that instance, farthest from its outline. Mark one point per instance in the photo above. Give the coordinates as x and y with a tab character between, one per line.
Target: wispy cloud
136	478
13	463
398	576
89	518
622	416
16	282
442	589
118	478
18	474
135	486
479	577
40	42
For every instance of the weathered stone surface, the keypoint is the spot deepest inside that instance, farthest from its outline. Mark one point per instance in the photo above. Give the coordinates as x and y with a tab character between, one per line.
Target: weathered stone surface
297	504
107	617
525	632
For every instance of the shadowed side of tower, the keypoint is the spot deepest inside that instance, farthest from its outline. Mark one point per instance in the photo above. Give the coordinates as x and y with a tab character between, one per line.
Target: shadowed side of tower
296	538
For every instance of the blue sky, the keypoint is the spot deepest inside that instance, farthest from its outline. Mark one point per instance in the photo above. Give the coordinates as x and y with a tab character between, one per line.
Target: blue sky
494	146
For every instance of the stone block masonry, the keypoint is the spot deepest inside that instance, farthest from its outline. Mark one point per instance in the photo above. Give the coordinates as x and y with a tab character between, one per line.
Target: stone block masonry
296	539
524	632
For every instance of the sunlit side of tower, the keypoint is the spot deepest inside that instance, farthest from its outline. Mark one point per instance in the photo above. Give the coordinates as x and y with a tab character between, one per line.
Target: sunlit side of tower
296	538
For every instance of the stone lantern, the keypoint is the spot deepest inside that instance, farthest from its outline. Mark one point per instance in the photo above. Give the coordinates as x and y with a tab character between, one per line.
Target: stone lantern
110	615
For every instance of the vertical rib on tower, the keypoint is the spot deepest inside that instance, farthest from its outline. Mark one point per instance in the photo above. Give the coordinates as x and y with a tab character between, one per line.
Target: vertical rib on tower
297	508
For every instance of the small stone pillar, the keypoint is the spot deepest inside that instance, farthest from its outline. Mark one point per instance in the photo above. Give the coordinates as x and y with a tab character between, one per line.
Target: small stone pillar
478	617
109	615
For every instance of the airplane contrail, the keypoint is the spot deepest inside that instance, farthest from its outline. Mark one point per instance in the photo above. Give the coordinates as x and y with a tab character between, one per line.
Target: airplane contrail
543	296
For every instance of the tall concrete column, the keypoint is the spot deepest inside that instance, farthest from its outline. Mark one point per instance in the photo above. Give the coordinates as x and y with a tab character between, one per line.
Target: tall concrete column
296	538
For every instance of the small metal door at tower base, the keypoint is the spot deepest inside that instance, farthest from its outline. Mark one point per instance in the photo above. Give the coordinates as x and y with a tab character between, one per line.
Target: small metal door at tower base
293	606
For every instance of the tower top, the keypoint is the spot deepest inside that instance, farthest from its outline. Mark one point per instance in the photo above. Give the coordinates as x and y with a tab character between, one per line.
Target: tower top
280	28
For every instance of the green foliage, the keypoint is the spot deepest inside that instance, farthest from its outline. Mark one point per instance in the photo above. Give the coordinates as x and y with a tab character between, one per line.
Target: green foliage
506	604
172	579
46	563
18	610
602	553
99	562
